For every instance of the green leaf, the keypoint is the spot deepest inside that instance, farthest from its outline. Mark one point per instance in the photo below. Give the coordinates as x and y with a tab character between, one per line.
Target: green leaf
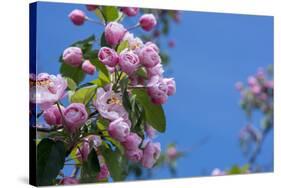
103	42
75	73
237	170
110	13
142	73
71	84
90	168
154	114
50	160
116	163
99	14
122	46
84	95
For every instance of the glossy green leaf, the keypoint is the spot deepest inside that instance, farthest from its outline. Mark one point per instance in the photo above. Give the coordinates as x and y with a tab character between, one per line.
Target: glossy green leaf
110	13
75	73
84	95
71	84
90	168
50	160
116	163
122	46
154	114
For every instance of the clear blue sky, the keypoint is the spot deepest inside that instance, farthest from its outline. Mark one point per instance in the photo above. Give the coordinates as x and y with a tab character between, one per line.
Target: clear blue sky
212	52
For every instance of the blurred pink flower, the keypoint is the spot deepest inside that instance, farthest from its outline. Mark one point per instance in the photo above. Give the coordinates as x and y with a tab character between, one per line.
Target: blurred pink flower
77	17
147	22
151	154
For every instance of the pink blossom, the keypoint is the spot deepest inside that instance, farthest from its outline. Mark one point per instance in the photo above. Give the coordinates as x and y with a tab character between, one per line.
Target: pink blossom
91	7
73	56
134	43
47	89
152	45
134	155
217	172
147	22
128	62
88	67
269	84
75	116
53	116
172	153
68	181
171	86
109	105
252	81
132	141
108	56
119	129
136	80
77	17
151	154
149	57
155	71
104	173
150	131
130	11
256	89
83	151
158	90
114	32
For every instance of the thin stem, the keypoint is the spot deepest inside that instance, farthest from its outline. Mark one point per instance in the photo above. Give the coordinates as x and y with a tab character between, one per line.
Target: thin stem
133	27
95	22
62	116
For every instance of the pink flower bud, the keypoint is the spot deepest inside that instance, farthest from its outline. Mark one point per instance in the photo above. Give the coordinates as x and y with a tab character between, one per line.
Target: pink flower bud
104	173
256	89
114	32
83	151
132	141
153	45
134	155
77	17
128	62
147	21
252	81
75	116
68	181
172	153
91	7
53	116
151	154
158	90
119	129
130	11
150	131
108	56
149	57
73	56
155	71
88	67
171	86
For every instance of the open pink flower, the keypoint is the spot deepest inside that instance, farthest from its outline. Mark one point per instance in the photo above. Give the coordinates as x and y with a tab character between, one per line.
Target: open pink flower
158	90
149	57
171	84
108	56
134	43
109	105
47	89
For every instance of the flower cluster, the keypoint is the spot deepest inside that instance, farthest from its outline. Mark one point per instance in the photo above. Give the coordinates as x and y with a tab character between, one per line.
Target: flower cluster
105	113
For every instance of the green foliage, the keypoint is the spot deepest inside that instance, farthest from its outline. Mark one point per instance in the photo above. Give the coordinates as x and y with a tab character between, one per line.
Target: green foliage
239	170
116	163
75	73
90	168
122	46
71	84
154	114
110	13
50	160
84	95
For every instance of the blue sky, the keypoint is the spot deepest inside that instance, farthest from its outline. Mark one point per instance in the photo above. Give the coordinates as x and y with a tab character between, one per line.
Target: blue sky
212	52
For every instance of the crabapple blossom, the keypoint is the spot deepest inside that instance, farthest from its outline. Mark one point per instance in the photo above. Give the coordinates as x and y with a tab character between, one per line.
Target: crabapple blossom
91	7
47	89
134	43
132	141
128	62
114	32
147	22
151	154
134	155
119	129
73	56
171	85
75	116
77	17
130	11
53	116
149	57
104	173
88	67
155	71
108	56
83	151
109	105
69	181
158	90
153	45
150	131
